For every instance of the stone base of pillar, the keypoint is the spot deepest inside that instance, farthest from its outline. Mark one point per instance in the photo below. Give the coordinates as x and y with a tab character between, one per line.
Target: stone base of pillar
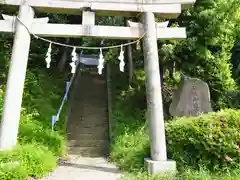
155	167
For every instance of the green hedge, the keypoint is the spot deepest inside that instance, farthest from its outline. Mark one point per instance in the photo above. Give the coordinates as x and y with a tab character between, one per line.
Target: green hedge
212	140
209	141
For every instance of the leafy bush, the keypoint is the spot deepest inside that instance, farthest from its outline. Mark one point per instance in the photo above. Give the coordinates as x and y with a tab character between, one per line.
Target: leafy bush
205	147
31	131
204	174
26	161
131	143
211	140
38	146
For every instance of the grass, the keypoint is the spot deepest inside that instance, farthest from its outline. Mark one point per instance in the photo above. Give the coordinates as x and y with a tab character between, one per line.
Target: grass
188	174
131	146
38	146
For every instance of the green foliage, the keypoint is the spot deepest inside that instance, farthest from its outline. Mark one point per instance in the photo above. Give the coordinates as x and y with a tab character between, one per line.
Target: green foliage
131	143
211	140
38	146
204	174
26	161
33	132
205	147
188	174
212	33
140	175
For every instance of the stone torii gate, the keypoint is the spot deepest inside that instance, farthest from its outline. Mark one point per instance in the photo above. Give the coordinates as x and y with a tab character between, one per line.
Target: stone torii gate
167	8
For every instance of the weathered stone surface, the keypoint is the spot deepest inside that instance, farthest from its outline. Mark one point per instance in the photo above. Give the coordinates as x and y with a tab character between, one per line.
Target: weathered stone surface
192	98
88	131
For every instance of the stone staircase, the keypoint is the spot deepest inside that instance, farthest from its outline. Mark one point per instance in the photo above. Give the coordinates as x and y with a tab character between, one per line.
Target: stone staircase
87	120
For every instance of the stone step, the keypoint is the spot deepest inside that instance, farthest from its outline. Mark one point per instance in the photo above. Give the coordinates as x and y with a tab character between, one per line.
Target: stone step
88	151
88	143
86	129
88	120
90	116
91	98
82	121
95	136
96	116
88	125
103	134
85	108
91	119
89	110
99	117
86	113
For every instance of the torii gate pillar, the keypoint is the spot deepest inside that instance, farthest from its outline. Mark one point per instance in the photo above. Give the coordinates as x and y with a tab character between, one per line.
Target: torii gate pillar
15	83
158	162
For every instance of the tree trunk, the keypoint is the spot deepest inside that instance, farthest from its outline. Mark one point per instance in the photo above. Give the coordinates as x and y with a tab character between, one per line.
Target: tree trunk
64	58
129	56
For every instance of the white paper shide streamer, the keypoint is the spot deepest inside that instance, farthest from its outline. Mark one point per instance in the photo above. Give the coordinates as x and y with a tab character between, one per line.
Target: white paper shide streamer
74	59
48	56
100	62
121	58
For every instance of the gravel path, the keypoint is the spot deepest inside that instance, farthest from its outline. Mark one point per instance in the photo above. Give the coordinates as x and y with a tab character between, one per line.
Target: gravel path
78	168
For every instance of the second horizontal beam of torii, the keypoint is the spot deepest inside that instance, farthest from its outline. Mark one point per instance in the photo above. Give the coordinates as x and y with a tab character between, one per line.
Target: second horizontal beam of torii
108	32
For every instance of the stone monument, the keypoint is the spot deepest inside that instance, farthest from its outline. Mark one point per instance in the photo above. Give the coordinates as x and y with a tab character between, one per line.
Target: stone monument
192	98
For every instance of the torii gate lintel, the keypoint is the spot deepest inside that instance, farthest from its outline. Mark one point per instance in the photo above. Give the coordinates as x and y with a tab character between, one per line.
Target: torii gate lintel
40	27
